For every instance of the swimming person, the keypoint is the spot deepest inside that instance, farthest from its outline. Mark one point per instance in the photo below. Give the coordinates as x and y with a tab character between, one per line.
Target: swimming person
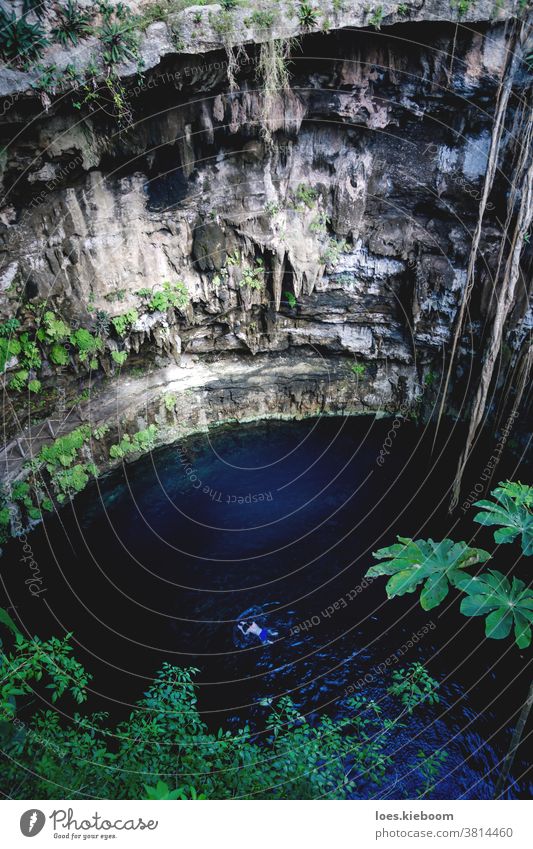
254	628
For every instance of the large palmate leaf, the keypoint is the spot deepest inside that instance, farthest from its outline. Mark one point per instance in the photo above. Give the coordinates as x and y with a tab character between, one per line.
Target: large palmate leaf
435	564
505	605
512	510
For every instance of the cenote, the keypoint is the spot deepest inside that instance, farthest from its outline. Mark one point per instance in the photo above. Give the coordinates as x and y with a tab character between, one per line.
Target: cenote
277	521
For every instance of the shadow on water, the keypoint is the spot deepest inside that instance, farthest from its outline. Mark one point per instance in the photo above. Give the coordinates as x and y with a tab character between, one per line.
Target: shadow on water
275	523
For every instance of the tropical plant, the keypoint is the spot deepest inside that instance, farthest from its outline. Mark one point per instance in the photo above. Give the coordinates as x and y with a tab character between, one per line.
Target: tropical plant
52	329
305	195
118	39
429	767
291	299
32	659
252	278
9	326
119	357
332	252
171	295
295	756
74	24
434	564
358	369
9	348
512	509
504	603
20	40
376	17
141	442
163	791
19	380
170	401
307	15
100	431
413	686
65	449
122	323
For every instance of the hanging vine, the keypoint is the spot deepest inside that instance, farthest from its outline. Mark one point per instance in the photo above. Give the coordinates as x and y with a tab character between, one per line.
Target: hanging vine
518	222
504	91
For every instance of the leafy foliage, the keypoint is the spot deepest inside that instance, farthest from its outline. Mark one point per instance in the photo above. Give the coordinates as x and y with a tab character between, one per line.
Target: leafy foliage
20	40
430	768
74	24
358	369
504	603
252	278
332	252
9	326
307	16
435	564
119	357
164	741
376	17
171	295
65	449
306	196
9	348
86	343
163	791
413	686
117	33
170	401
30	661
69	472
122	323
140	443
512	509
291	299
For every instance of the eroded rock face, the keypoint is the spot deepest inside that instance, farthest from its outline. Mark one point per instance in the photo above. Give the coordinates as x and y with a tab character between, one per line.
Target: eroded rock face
356	194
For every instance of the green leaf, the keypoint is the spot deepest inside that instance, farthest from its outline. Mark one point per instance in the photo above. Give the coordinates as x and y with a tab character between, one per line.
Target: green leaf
498	623
503	602
6	620
511	508
434	564
435	590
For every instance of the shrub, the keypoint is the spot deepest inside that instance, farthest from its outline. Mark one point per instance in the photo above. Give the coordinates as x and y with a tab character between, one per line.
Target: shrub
165	741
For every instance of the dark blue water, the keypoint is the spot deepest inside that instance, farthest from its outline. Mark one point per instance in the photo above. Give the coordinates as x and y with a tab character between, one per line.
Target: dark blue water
276	522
